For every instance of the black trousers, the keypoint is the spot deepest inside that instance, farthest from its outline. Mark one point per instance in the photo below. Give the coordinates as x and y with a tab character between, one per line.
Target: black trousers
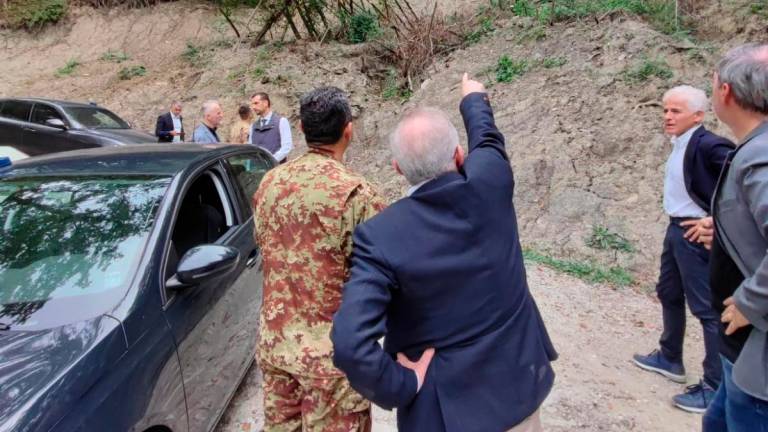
685	276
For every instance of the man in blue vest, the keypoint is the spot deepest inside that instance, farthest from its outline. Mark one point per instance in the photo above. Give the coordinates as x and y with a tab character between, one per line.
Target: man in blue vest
270	131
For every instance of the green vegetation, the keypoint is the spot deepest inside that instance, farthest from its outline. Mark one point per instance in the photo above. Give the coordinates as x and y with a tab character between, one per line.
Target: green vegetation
553	62
115	56
589	272
507	70
659	13
32	14
485	27
361	27
646	69
534	33
258	73
759	8
393	89
602	238
68	68
127	73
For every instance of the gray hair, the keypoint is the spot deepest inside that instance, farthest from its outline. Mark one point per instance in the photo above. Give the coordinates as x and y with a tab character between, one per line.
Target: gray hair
695	98
175	103
208	106
423	144
745	68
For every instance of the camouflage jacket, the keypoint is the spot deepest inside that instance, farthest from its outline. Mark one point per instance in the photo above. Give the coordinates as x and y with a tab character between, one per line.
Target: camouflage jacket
305	212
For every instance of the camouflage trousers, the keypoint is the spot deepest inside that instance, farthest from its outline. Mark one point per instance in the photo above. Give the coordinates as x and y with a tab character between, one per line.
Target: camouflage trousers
296	403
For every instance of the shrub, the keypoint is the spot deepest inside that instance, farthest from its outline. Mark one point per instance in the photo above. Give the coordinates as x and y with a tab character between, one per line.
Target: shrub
361	27
127	73
602	238
68	68
553	62
34	14
507	70
484	28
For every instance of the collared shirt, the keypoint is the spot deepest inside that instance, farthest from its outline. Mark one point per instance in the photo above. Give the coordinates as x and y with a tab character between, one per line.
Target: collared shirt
677	202
414	188
176	127
286	141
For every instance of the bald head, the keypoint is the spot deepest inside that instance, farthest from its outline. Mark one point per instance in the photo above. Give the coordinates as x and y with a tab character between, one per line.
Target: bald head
424	144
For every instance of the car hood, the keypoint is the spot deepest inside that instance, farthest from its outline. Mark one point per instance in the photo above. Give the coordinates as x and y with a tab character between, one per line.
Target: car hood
43	372
125	136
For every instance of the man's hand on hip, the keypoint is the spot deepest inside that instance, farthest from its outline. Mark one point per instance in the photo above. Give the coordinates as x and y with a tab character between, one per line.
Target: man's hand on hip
420	366
700	231
470	86
733	316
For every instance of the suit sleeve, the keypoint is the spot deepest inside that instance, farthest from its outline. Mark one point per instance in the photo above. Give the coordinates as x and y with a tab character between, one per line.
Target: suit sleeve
359	324
160	129
717	153
752	296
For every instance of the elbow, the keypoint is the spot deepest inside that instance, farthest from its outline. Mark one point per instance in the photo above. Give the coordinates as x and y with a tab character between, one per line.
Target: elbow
343	351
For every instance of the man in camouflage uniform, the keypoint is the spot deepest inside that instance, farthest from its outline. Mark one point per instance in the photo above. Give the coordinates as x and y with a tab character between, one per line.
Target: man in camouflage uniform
305	213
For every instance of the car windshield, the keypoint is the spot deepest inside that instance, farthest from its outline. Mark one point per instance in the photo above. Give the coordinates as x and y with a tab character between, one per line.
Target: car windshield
70	237
96	118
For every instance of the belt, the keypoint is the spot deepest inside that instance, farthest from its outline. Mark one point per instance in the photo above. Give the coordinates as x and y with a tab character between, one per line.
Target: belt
676	220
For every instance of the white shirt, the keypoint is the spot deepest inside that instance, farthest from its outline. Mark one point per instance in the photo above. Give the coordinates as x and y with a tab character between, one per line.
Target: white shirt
414	188
286	141
176	127
677	202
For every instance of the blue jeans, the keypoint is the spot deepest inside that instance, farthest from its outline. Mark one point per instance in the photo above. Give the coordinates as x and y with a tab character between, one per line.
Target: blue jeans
684	276
732	410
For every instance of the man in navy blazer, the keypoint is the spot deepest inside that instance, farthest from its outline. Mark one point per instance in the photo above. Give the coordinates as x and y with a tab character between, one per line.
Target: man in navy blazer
691	174
440	273
170	126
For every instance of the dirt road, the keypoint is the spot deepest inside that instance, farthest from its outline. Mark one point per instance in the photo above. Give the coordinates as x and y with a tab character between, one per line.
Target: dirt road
596	329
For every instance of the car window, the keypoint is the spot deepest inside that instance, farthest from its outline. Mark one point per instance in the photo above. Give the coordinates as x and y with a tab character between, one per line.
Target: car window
41	113
248	171
96	118
72	237
203	217
17	110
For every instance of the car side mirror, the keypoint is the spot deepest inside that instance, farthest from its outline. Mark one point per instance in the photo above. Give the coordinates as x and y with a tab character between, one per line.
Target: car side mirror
203	263
57	123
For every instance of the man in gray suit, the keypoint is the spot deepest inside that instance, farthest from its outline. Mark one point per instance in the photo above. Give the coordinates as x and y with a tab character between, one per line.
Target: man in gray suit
739	262
205	133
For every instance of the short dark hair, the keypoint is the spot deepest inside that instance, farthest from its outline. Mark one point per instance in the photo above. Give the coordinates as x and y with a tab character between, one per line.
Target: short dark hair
244	111
324	114
262	96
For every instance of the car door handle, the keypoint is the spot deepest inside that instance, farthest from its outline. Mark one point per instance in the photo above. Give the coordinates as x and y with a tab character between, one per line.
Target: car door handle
30	129
253	258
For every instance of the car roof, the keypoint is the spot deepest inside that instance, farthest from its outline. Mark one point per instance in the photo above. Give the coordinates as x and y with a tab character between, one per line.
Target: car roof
62	103
134	159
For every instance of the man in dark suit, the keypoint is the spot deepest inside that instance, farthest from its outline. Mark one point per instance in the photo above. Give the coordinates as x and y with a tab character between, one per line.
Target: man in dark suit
170	126
440	273
691	174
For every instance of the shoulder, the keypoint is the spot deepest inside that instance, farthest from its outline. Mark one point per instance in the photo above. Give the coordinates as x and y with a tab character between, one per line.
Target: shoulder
709	138
754	151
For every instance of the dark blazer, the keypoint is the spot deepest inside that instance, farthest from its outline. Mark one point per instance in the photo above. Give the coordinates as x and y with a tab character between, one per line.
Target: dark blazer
164	127
702	164
443	268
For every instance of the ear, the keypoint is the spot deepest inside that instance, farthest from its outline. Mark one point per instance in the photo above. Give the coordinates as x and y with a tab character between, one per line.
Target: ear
726	91
458	157
698	116
301	126
347	134
396	167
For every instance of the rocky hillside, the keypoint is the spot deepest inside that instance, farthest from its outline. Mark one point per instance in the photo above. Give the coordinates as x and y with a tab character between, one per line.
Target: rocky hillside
578	101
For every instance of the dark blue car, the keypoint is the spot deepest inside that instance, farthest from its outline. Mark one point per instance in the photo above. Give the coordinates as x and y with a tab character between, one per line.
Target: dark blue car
130	287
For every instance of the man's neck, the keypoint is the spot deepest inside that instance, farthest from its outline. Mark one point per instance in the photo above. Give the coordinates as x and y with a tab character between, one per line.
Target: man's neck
744	123
208	125
266	114
335	151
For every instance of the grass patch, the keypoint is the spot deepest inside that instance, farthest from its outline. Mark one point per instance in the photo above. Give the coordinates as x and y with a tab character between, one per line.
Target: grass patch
258	73
759	8
393	89
589	272
602	238
647	69
115	56
127	73
68	68
659	13
484	28
553	62
32	14
507	70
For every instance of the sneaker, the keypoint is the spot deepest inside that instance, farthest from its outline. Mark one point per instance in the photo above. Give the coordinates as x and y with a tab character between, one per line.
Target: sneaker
696	398
656	362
